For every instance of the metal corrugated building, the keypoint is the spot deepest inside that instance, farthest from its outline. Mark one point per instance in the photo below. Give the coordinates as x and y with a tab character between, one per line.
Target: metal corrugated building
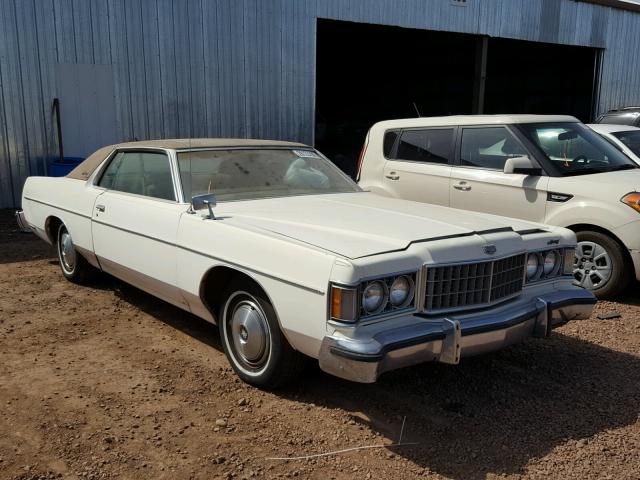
237	68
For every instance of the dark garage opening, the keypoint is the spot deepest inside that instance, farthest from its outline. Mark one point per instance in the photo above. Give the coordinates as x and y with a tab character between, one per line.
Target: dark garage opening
533	77
366	73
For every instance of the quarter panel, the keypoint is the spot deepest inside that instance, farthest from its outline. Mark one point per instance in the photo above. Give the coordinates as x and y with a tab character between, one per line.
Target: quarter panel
70	200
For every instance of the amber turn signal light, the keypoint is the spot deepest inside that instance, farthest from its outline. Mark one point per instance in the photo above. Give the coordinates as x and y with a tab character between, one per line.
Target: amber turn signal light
343	304
633	200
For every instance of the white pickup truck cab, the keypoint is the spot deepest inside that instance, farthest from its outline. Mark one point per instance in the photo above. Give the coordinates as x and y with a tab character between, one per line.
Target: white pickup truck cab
543	168
290	258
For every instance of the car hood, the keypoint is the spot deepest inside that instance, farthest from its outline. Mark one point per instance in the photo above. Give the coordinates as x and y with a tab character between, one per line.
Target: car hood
611	185
357	225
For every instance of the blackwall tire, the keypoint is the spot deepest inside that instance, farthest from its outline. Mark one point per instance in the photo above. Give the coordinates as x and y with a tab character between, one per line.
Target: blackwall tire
600	264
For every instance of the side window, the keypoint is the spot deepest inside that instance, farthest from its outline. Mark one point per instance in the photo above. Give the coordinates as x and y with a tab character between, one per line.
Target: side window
428	145
489	147
390	138
142	173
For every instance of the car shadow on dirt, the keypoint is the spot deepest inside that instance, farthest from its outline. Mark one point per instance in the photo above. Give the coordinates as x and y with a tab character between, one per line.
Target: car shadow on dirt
17	247
490	414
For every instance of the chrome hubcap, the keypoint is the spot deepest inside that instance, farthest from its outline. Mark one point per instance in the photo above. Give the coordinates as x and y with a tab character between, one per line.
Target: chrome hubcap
592	266
67	252
250	333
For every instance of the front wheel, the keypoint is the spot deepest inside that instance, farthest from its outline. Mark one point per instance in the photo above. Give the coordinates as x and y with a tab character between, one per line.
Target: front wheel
599	264
253	342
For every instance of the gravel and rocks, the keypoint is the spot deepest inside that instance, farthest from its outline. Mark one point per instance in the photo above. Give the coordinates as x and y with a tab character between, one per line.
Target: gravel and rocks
107	382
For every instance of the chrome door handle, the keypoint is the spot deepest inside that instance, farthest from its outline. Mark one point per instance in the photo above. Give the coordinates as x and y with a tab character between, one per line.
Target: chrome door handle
462	186
392	176
100	208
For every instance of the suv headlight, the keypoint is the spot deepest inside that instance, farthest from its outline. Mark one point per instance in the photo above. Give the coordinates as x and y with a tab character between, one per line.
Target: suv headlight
548	264
378	296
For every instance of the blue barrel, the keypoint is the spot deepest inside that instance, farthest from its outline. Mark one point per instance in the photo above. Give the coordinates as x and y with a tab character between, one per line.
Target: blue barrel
60	169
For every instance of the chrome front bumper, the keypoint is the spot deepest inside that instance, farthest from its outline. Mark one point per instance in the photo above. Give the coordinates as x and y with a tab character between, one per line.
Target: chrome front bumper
22	222
362	357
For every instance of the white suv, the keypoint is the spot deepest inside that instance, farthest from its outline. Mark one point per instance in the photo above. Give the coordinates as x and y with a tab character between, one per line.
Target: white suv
542	168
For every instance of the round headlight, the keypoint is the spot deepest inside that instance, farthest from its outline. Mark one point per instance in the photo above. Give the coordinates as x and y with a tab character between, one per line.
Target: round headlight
550	262
373	297
532	265
401	291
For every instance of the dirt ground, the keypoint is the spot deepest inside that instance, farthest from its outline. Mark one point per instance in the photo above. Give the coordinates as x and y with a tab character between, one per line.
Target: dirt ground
109	382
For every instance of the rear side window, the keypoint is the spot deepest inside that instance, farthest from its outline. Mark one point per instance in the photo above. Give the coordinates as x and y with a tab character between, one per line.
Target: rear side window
390	138
426	145
142	173
489	147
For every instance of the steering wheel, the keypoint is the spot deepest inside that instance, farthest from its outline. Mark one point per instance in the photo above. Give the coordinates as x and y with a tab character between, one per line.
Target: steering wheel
581	159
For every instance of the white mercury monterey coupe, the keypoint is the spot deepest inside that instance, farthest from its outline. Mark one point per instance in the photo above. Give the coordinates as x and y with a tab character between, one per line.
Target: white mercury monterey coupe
296	261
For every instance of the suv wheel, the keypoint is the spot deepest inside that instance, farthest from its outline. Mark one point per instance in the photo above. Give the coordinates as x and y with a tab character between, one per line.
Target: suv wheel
599	265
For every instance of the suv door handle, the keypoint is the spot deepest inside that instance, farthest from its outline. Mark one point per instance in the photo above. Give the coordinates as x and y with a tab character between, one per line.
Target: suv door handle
100	208
462	186
392	176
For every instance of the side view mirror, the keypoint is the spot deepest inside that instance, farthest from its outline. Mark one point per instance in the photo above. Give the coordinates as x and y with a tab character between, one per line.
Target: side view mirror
207	200
522	165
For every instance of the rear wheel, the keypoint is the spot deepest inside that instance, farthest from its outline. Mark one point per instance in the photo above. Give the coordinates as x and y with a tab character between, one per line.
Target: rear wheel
73	265
253	342
599	265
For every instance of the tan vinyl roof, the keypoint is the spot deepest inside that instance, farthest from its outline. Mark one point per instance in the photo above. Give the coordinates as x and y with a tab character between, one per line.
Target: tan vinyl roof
88	166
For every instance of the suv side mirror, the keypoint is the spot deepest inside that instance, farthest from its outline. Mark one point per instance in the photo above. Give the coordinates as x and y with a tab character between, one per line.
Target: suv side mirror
523	165
201	201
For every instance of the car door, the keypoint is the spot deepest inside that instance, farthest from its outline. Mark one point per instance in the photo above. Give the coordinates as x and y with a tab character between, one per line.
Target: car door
479	183
418	167
135	222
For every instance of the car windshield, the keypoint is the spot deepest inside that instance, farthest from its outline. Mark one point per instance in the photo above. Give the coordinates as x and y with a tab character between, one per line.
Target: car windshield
575	149
245	174
631	138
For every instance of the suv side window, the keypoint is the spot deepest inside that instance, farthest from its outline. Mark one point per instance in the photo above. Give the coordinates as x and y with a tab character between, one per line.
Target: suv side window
488	147
426	145
390	138
142	173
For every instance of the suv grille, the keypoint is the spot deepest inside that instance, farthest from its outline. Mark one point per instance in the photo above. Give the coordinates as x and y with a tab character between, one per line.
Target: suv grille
473	284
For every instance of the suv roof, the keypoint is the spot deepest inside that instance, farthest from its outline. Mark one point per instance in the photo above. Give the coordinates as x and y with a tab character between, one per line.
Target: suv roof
473	120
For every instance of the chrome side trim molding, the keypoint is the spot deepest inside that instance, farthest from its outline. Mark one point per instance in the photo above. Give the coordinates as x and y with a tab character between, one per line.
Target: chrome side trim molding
56	206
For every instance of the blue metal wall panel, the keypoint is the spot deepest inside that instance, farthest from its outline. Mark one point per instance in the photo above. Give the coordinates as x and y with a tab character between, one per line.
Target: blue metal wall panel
240	68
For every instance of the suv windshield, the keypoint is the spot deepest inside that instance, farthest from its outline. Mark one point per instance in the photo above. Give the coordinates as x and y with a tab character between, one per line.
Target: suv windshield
245	174
631	138
574	149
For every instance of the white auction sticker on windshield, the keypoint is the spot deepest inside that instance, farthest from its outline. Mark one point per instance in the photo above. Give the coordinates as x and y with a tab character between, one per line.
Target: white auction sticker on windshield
306	154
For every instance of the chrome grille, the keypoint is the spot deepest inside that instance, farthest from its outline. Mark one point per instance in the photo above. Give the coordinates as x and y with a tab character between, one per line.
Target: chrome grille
451	287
